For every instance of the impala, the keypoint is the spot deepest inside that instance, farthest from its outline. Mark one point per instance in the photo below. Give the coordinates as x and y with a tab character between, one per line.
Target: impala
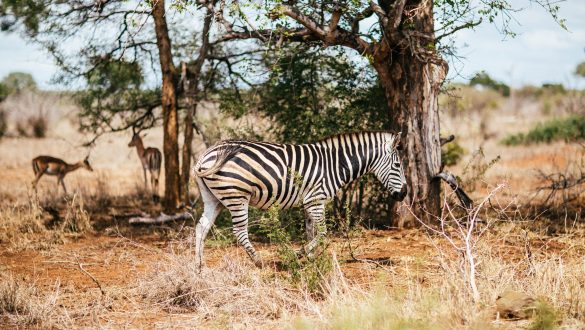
55	166
151	159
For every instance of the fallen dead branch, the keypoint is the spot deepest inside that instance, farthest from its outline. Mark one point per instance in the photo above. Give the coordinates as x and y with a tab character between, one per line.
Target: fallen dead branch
162	218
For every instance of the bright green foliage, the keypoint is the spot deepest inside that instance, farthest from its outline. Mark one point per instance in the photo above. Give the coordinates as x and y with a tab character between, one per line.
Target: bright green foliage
571	128
483	79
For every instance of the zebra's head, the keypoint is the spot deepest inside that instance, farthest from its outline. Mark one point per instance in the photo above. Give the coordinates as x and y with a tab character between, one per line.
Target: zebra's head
390	171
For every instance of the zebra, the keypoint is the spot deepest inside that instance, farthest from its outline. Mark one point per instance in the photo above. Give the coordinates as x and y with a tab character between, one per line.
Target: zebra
237	174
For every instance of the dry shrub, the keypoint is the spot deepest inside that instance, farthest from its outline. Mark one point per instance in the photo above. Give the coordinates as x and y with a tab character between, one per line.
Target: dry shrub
231	286
21	227
24	303
31	112
241	292
77	219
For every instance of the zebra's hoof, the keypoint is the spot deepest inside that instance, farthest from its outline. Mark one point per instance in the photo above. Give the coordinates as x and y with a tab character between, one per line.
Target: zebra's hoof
258	263
300	253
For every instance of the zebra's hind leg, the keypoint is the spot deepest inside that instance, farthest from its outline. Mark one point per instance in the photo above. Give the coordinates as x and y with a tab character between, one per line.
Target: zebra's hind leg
211	208
315	213
239	212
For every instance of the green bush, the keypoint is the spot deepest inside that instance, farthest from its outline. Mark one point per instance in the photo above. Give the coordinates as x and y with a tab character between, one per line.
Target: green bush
451	153
309	273
3	123
571	128
483	79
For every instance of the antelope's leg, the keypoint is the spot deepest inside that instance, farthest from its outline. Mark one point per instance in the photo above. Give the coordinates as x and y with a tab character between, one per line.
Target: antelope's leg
145	184
36	180
60	179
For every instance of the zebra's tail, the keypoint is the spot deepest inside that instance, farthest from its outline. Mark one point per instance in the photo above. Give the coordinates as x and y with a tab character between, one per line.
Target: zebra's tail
224	153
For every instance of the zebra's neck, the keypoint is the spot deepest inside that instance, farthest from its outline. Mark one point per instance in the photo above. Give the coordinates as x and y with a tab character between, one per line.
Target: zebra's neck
349	156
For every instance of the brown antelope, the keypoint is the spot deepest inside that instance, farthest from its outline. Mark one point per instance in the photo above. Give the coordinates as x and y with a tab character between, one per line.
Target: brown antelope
151	159
55	166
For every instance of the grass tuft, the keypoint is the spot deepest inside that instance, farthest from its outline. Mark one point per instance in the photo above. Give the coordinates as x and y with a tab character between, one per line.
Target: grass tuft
23	302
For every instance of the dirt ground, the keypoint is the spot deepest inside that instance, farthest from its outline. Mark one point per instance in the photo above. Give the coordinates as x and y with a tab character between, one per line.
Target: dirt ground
115	256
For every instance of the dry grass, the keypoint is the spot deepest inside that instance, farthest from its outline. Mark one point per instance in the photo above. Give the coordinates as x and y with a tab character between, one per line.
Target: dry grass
24	303
149	281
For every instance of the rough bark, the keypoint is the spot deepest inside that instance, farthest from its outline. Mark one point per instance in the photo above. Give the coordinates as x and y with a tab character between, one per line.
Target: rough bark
411	82
187	137
409	69
169	106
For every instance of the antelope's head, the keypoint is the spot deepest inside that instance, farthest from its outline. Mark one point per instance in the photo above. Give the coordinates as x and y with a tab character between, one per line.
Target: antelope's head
86	164
134	141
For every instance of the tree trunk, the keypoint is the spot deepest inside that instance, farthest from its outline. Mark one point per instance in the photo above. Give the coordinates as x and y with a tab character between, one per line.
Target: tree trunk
190	88
169	106
192	103
411	80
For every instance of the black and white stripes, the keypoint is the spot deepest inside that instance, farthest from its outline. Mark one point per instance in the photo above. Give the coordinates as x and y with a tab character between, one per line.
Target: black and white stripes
238	174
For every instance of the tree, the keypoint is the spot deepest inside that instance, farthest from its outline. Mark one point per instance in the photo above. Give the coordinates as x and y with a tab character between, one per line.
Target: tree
404	45
16	82
483	79
118	41
313	93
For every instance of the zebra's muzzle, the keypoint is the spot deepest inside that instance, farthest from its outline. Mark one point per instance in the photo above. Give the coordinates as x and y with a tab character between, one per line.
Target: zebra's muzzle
400	195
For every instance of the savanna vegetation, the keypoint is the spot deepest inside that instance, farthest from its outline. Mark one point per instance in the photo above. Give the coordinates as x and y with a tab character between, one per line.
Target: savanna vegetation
287	72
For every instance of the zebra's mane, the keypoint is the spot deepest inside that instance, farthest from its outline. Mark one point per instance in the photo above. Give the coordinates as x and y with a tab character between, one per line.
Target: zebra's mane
356	133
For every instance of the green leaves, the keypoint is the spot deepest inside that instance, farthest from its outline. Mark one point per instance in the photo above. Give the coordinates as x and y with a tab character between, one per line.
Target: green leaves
16	82
312	93
114	95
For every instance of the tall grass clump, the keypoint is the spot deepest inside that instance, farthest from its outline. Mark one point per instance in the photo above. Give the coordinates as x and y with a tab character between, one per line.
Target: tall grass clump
77	219
20	223
571	128
24	303
230	292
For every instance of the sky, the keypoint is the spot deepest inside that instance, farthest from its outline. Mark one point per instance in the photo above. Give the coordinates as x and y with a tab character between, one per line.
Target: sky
542	52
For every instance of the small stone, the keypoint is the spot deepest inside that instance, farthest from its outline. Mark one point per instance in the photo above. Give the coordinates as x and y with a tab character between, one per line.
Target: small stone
514	305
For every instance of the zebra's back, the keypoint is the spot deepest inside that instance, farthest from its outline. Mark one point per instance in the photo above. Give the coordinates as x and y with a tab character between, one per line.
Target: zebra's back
265	173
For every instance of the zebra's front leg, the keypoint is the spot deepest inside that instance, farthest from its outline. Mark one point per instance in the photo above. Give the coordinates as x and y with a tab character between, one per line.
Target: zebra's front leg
239	212
315	213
